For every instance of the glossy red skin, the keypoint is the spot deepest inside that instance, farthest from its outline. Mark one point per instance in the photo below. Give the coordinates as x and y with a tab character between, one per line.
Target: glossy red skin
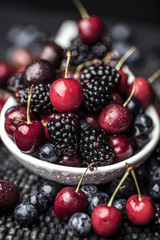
71	161
115	118
116	98
9	196
66	94
52	53
140	212
123	87
44	121
90	29
68	202
121	146
143	91
5	72
11	123
29	137
92	119
2	102
106	221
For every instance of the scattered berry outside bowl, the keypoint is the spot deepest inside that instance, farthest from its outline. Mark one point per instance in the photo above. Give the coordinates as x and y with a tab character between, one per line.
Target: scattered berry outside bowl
71	175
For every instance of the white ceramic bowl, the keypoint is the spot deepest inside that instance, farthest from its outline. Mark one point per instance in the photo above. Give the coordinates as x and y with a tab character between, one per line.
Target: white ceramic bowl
71	175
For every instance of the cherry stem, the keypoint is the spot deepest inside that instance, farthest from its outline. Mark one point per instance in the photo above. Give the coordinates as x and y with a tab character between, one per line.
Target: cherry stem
131	95
28	105
107	58
137	186
81	9
128	170
19	120
89	167
124	58
79	67
67	64
154	76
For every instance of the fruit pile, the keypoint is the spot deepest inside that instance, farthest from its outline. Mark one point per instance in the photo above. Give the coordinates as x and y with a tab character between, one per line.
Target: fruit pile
83	113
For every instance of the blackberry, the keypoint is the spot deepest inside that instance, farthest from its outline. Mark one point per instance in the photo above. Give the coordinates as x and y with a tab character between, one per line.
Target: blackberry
63	129
156	219
94	147
40	102
156	153
15	83
82	53
98	83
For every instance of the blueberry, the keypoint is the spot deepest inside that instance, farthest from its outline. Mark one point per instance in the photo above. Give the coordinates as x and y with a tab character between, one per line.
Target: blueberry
121	32
84	125
38	200
145	121
25	214
156	174
134	106
140	135
120	204
154	190
47	153
89	190
49	189
142	173
125	191
80	224
97	198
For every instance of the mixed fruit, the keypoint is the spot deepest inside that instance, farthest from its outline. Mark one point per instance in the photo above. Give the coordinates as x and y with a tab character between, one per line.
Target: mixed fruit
85	114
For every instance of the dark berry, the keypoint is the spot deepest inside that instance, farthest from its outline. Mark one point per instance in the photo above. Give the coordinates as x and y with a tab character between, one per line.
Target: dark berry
39	71
63	129
156	174
9	196
89	190
125	191
156	153
84	125
38	200
120	204
134	106
98	83
96	199
25	214
80	224
140	135
95	147
47	153
15	83
82	53
156	219
40	102
145	121
154	190
49	189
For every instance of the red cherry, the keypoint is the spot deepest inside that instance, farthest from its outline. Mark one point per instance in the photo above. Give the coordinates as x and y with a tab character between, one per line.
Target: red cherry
116	98
115	118
13	117
5	72
143	91
90	29
2	102
140	212
122	88
68	202
21	57
106	221
52	53
71	161
29	136
121	146
9	196
92	119
66	94
44	121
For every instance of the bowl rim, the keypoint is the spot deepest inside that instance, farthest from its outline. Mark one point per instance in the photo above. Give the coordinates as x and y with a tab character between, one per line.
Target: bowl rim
11	146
